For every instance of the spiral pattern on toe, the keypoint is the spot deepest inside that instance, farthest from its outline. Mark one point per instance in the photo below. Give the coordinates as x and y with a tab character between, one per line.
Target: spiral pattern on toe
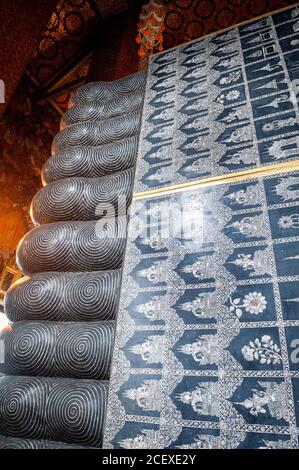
59	349
97	110
99	91
30	348
64	297
75	411
73	246
23	406
64	309
52	408
19	443
97	132
91	161
84	351
83	198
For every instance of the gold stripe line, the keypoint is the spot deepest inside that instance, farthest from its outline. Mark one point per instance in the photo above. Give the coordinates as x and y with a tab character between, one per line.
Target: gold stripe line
221	179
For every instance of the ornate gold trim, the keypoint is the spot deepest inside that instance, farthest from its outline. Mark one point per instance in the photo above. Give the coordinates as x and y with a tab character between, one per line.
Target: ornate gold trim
222	179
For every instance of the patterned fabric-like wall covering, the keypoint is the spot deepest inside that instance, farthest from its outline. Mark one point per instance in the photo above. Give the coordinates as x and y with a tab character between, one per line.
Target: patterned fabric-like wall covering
206	350
189	19
20	32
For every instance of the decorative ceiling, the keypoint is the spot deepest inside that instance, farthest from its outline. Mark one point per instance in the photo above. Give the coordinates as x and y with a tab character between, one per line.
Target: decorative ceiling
66	38
64	53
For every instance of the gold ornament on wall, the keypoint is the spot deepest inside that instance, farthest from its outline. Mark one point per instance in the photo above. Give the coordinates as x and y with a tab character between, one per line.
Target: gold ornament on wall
150	30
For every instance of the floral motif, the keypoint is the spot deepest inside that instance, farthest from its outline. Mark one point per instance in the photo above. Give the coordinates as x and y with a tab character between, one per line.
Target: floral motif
259	263
263	351
233	95
289	221
231	77
253	303
230	96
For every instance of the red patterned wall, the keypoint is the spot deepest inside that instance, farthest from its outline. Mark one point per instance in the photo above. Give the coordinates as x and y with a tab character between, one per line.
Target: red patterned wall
188	19
22	24
119	55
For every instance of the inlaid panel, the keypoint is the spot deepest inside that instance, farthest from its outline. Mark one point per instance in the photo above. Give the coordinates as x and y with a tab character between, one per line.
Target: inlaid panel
225	103
207	344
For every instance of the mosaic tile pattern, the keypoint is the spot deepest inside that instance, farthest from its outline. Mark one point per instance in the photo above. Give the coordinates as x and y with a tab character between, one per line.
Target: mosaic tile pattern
207	346
222	104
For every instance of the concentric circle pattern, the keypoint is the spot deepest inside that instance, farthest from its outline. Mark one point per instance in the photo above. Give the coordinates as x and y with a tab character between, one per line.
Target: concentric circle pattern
23	406
81	350
100	91
58	354
73	246
99	110
97	132
64	410
75	411
83	198
64	297
19	443
91	162
30	348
